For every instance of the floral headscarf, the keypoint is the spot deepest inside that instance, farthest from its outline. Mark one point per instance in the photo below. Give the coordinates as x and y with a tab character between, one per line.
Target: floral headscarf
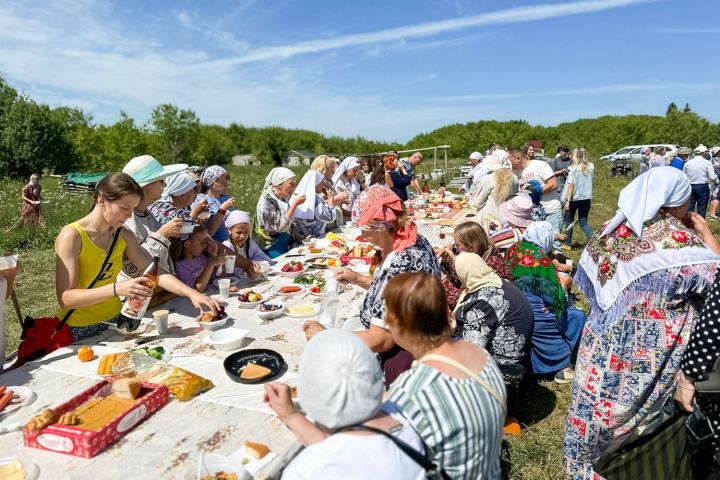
534	273
377	209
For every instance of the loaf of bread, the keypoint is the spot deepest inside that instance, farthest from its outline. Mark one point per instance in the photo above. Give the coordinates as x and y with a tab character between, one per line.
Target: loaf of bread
127	388
42	420
256	450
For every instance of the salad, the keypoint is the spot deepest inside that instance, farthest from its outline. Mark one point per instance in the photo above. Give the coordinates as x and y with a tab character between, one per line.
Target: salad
310	280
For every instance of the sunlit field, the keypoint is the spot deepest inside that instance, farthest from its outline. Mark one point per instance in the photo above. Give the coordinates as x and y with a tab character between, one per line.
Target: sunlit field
535	455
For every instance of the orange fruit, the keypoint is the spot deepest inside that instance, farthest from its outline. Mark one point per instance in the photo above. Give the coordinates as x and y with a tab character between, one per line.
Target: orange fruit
85	354
331	262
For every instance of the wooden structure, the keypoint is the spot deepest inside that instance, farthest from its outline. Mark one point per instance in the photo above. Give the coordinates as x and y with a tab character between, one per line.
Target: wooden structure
434	149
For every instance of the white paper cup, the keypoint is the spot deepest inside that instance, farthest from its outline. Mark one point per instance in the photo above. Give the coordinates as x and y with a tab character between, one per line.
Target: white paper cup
161	321
224	287
230	264
569	262
187	228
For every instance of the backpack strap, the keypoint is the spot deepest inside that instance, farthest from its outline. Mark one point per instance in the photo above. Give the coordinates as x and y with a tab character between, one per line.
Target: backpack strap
453	363
95	280
421	459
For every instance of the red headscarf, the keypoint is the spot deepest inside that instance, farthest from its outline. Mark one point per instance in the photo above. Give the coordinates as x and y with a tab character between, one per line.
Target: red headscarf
377	209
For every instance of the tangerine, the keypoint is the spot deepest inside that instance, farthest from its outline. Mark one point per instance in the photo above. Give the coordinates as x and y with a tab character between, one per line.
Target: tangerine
85	354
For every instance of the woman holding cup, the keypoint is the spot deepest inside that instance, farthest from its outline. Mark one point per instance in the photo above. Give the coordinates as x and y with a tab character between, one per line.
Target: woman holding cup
213	190
177	196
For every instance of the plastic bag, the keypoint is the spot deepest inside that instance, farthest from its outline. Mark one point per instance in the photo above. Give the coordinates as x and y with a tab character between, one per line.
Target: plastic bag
180	382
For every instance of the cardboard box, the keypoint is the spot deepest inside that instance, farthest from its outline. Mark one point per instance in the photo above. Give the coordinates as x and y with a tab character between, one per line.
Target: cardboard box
75	441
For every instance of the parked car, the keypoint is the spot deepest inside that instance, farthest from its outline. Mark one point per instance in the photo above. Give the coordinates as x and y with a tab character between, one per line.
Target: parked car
633	152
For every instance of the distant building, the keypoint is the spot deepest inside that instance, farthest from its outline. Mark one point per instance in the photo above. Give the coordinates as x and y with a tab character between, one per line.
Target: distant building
245	160
295	158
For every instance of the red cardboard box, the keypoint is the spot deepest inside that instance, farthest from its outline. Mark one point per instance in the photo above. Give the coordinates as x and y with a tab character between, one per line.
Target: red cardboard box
88	443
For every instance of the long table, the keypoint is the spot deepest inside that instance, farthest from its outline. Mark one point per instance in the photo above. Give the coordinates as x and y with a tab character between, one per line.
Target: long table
169	442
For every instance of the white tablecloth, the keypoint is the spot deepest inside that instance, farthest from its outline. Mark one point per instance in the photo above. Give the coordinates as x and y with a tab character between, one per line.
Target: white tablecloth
169	442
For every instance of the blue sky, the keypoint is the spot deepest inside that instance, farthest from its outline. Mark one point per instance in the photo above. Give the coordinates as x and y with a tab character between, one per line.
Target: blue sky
384	70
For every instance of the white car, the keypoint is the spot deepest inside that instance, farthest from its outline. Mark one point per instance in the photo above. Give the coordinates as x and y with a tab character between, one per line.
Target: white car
633	154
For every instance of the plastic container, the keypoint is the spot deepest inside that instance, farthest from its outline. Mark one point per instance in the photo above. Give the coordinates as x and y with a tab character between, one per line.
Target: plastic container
227	339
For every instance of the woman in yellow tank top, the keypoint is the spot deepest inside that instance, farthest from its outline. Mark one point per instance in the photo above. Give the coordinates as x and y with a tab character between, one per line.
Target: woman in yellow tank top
81	248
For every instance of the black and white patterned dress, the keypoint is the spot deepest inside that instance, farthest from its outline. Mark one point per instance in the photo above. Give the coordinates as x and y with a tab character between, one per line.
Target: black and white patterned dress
499	320
417	258
702	352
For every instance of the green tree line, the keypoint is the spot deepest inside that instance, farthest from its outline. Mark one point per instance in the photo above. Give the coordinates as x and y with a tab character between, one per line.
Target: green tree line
599	136
35	137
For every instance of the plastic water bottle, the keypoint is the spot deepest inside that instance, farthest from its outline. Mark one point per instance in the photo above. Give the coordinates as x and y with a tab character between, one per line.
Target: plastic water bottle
328	308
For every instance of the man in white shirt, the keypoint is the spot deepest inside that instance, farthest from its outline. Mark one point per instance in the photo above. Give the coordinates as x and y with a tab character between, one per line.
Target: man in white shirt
701	174
477	171
526	170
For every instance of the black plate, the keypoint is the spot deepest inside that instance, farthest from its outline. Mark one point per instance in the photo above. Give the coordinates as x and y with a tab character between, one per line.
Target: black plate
260	356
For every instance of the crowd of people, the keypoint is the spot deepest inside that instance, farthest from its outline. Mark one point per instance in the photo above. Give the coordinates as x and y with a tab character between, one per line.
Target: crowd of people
451	337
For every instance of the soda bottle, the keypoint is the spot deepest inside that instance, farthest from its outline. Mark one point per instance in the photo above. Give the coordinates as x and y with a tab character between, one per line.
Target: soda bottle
426	187
134	307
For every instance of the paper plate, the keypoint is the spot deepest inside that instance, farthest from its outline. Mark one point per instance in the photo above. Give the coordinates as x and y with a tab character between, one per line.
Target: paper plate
21	396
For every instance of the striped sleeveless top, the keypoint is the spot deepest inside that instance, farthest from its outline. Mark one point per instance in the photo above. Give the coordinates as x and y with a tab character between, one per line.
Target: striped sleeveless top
458	419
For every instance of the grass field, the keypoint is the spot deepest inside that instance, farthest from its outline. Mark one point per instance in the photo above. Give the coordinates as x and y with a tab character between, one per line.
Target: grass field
536	455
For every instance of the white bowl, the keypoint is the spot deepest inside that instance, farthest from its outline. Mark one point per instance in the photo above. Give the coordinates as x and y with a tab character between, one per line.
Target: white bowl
213	464
270	315
214	325
227	339
292	274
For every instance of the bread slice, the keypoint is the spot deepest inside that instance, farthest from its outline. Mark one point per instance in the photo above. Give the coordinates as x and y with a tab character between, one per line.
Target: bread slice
253	371
257	450
127	388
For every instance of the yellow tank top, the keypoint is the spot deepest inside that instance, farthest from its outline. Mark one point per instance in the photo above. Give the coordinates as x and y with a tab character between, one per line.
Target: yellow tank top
89	263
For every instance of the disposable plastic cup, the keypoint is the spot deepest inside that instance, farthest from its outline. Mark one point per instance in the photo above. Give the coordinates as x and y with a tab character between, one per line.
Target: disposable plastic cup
161	321
224	287
230	264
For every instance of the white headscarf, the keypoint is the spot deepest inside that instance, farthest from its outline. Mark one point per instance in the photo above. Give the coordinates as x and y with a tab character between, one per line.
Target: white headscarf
307	185
641	199
278	176
340	382
347	164
235	217
497	160
176	185
541	234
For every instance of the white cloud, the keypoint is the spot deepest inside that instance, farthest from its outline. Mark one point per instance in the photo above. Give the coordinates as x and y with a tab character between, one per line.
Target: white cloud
500	17
79	53
592	90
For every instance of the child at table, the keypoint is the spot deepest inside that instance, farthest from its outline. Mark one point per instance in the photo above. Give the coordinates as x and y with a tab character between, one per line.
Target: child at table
196	258
239	226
